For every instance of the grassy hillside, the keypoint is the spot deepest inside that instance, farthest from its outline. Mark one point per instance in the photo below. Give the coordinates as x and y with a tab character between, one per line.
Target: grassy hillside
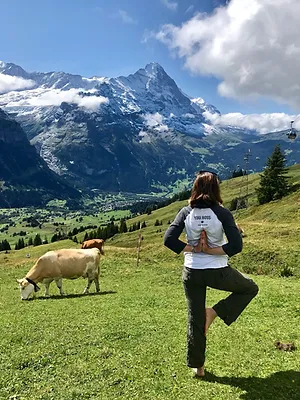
129	341
271	245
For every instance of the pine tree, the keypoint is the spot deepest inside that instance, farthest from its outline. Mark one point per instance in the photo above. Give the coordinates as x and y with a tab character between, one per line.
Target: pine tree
37	241
54	238
237	172
86	236
30	241
4	245
20	244
123	226
273	182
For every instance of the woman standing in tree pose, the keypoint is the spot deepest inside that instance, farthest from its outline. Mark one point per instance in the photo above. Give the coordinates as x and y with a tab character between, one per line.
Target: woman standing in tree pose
206	254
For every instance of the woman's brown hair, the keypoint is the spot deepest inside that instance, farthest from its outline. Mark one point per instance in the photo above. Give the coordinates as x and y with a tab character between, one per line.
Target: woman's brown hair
206	188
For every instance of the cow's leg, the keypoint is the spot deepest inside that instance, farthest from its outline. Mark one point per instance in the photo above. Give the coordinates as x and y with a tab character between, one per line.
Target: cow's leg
86	290
47	284
58	282
96	280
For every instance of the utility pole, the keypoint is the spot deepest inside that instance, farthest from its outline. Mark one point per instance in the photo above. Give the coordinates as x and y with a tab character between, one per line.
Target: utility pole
139	247
243	201
246	159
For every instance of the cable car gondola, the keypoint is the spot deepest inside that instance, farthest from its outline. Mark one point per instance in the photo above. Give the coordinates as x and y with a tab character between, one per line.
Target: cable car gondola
292	132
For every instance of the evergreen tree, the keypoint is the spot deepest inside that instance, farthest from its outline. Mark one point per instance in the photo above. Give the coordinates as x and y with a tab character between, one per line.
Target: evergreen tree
99	233
123	226
54	238
273	182
148	210
20	244
4	245
37	241
30	241
237	172
86	236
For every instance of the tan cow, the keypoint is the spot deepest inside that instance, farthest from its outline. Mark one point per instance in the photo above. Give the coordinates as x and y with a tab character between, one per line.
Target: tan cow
59	264
90	244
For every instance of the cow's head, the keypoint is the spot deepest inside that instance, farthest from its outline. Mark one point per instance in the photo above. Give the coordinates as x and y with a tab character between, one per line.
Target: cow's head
27	286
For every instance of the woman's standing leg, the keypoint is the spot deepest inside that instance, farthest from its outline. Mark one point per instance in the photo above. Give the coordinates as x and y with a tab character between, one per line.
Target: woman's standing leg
195	291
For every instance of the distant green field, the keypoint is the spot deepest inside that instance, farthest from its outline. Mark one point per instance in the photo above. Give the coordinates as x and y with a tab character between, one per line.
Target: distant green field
67	222
272	230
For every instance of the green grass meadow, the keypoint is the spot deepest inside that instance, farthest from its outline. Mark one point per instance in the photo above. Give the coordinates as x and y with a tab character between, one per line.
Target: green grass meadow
129	341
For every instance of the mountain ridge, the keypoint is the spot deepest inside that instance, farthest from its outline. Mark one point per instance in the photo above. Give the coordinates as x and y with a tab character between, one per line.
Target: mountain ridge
25	177
139	133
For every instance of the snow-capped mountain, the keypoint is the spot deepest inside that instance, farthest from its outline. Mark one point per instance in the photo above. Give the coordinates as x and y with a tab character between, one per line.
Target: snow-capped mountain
149	92
135	133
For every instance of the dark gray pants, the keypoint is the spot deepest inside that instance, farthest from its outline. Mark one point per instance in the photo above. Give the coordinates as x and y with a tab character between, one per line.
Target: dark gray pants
195	282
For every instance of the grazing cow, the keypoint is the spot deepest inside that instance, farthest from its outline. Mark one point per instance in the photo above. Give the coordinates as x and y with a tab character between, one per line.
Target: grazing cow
90	244
59	264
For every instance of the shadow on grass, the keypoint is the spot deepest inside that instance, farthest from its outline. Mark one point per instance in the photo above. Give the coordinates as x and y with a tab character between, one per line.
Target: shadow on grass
282	385
71	296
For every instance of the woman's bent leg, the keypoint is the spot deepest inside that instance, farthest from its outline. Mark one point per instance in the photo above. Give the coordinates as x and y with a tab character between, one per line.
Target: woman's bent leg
243	291
195	294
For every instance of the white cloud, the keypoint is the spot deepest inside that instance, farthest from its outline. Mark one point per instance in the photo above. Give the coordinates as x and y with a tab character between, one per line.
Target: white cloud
147	35
189	9
54	97
263	123
155	121
126	18
9	83
171	5
252	46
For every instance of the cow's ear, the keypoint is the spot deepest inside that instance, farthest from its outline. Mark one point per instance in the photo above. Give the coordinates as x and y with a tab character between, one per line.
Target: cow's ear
19	281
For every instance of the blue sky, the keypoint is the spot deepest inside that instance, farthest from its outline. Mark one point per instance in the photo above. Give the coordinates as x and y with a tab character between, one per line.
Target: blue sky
105	38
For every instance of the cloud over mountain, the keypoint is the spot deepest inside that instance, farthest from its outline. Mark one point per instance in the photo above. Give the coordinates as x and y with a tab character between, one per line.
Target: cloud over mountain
252	46
54	97
263	123
9	83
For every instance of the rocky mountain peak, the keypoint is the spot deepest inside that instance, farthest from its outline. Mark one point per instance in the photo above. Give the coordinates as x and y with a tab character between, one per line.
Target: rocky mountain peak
13	70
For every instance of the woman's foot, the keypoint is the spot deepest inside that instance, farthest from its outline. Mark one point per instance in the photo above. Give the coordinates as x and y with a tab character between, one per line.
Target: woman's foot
199	371
210	316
